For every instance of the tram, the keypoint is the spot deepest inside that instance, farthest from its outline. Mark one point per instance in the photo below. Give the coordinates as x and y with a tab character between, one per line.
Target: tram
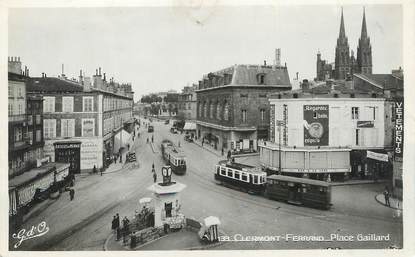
173	157
243	177
300	191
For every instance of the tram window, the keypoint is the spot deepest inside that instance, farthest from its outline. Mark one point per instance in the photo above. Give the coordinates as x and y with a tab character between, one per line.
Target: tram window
255	179
223	171
237	175
230	173
217	169
244	177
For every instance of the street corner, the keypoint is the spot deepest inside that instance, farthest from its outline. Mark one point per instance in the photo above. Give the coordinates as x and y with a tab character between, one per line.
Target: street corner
394	203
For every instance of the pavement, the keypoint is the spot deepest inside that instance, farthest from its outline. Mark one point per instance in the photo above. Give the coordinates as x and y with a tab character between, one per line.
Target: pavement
394	202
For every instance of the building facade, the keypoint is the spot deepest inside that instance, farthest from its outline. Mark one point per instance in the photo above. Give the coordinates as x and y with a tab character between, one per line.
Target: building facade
232	105
346	64
81	122
25	122
327	118
188	103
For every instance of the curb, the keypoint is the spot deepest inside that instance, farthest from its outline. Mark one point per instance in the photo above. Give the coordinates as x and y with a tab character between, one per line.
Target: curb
380	202
244	155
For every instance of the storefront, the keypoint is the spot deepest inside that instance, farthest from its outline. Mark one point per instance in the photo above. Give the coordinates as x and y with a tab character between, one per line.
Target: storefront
303	162
69	152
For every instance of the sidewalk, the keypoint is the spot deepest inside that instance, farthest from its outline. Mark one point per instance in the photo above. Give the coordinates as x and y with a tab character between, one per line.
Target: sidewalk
394	203
358	182
210	149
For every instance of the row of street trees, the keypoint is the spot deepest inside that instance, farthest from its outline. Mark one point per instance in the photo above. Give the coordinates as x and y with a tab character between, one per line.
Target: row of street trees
168	104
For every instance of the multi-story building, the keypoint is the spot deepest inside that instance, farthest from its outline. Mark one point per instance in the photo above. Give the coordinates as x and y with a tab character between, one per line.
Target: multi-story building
83	123
330	130
188	103
25	119
233	107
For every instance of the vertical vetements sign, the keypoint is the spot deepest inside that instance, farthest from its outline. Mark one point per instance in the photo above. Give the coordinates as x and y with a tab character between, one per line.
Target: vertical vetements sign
399	125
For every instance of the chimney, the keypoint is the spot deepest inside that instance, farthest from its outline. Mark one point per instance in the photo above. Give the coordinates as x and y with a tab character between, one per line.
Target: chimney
14	65
96	72
265	63
99	71
63	70
105	78
43	74
296	75
81	81
278	57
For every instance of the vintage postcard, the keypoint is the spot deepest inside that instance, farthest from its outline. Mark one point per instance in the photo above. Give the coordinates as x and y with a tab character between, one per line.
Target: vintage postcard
207	125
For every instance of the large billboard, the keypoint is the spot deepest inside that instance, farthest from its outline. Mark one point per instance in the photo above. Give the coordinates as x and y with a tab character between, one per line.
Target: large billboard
316	125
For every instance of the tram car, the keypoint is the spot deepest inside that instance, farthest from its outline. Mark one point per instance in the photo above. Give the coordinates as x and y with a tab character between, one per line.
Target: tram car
299	191
173	157
247	178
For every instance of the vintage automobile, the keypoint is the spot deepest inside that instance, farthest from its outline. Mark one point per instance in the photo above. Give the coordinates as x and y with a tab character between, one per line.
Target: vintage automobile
167	122
173	130
150	128
188	138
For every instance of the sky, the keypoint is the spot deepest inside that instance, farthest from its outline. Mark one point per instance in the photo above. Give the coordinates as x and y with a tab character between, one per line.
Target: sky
162	48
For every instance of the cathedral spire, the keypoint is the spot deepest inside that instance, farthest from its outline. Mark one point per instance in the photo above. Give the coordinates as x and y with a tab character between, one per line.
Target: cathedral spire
342	33
364	30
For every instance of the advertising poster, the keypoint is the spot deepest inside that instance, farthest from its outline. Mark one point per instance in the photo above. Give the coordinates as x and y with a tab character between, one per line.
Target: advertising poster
316	125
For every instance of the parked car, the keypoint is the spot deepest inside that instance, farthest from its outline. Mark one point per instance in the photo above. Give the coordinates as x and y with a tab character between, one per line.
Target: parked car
167	122
173	130
150	128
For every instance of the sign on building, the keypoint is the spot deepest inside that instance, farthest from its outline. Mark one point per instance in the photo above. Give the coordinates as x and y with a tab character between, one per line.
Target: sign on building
377	156
316	125
365	124
398	140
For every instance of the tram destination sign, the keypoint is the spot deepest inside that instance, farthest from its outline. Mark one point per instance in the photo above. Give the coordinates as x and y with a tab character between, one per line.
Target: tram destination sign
316	125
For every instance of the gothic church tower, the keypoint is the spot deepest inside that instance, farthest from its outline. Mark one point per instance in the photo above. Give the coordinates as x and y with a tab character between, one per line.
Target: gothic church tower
342	61
364	50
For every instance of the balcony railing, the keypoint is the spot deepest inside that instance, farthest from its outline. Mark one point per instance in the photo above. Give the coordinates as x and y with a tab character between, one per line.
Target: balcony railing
17	118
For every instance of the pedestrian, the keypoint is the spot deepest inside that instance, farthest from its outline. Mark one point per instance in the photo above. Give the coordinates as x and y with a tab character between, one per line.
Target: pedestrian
229	154
386	194
155	177
72	194
115	159
113	225
121	158
152	169
152	139
222	151
147	140
179	143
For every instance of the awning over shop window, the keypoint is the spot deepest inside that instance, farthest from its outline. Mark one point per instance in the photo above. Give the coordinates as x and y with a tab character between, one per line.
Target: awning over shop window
189	126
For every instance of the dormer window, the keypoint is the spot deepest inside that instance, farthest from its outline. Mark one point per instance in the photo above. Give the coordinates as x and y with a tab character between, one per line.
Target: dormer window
261	79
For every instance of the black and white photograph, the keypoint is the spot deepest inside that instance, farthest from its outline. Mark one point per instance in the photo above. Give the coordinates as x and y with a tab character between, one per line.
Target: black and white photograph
207	126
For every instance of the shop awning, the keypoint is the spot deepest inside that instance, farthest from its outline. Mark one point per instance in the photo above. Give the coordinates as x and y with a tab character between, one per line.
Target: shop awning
189	126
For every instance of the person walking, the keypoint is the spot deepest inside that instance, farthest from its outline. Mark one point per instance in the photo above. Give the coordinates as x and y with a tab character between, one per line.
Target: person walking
155	177
386	194
222	151
152	169
113	225
152	139
229	154
72	194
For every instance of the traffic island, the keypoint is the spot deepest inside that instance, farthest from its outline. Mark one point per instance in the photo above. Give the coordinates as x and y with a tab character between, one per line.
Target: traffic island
155	239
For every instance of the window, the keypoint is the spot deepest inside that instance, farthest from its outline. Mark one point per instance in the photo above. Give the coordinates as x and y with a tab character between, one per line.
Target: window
49	104
30	136
67	104
30	119
18	135
262	111
10	91
38	135
20	109
261	79
237	175
355	113
223	171
218	111
88	103
226	111
10	109
20	92
38	119
212	107
230	173
255	179
88	127
49	128
244	177
67	128
357	136
243	116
